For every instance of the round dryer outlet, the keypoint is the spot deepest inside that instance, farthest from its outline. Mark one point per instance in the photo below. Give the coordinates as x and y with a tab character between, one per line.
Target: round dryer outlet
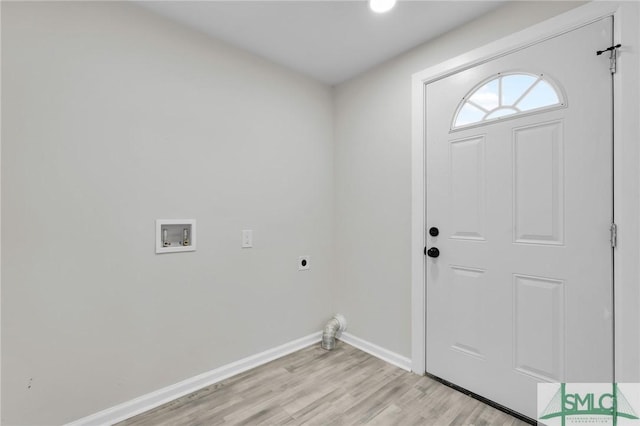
303	263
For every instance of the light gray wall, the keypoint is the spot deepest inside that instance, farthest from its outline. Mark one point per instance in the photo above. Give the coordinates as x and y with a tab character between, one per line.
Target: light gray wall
372	177
113	117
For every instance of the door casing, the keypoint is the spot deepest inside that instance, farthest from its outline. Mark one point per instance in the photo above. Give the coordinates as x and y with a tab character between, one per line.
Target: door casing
626	171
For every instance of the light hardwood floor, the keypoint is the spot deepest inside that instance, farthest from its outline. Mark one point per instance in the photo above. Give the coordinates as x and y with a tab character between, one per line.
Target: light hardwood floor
316	387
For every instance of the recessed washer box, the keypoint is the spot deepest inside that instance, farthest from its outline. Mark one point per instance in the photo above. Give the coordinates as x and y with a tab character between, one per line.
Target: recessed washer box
175	235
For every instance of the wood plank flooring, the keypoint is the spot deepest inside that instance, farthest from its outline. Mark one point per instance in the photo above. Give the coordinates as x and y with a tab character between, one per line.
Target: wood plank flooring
316	387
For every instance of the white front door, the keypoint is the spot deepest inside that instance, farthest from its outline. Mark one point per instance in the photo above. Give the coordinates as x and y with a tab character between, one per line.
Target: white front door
519	186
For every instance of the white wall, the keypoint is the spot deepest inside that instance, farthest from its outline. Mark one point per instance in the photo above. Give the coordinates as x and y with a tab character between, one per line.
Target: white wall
373	176
113	117
103	105
627	196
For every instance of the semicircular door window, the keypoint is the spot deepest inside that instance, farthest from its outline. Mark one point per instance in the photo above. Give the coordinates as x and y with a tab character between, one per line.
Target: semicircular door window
507	95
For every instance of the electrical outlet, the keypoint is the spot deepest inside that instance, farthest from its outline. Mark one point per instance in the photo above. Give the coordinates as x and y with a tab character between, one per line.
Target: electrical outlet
303	263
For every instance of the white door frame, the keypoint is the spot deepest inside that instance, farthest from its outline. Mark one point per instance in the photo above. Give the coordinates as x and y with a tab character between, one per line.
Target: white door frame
626	171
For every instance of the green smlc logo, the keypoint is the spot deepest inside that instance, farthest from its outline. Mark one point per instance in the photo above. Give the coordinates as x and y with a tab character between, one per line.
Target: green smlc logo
611	403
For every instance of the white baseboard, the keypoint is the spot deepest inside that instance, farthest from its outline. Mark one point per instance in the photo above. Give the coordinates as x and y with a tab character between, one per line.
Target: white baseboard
152	400
375	350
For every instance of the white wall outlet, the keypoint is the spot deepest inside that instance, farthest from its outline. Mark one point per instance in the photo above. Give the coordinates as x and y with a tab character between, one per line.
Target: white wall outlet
247	238
303	263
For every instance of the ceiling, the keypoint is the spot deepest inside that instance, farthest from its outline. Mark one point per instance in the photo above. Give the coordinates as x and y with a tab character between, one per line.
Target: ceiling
328	40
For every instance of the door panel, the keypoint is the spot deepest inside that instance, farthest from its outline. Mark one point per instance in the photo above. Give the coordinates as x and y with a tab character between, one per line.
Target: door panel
467	190
467	287
538	190
539	327
522	290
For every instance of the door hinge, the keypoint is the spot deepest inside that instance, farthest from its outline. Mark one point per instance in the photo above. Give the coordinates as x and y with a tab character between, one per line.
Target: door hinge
613	61
613	56
614	235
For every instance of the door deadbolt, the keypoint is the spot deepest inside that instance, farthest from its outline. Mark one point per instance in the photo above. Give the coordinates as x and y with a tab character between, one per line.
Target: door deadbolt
434	232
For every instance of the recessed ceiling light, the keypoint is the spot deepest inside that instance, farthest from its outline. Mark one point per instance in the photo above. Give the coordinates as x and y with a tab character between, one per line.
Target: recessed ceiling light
381	6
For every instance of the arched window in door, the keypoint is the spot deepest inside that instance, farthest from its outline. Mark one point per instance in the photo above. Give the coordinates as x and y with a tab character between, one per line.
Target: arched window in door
507	95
